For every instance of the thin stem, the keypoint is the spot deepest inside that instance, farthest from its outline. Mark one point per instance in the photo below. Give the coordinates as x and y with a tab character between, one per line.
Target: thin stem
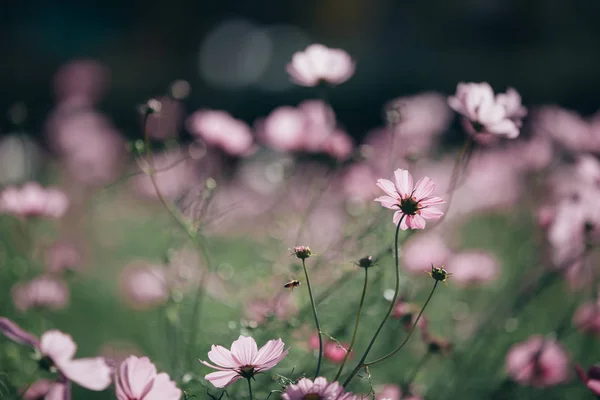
250	388
417	368
463	155
360	306
360	363
414	326
314	308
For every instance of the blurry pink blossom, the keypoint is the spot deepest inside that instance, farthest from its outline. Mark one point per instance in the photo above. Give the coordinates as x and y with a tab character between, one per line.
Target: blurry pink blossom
220	129
137	379
320	64
413	202
81	83
587	318
41	292
538	362
313	341
115	352
422	250
320	389
32	200
472	267
358	182
144	286
334	352
244	360
43	389
320	122
486	113
407	314
166	122
568	129
390	392
591	378
511	101
283	129
339	145
281	306
58	350
61	257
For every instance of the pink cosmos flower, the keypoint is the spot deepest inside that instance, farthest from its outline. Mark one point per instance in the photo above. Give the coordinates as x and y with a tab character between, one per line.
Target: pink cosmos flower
41	292
472	267
32	200
422	250
62	256
320	389
568	129
486	113
220	129
394	392
587	318
413	202
58	350
511	101
334	352
283	129
43	389
591	378
144	286
281	306
318	64
244	360
138	379
81	83
538	362
407	312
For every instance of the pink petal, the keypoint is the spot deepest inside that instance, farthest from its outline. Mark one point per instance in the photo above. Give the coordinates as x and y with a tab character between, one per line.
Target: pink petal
594	386
415	221
58	346
388	202
271	350
215	366
431	213
404	182
16	334
136	376
163	389
431	201
222	356
423	188
388	187
244	350
90	373
397	217
58	391
220	379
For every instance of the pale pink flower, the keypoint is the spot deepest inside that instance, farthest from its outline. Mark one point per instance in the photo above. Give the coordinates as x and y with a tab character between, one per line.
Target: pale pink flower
486	114
472	267
394	392
43	389
591	378
41	292
357	182
339	145
281	306
568	129
144	286
334	352
32	200
81	83
313	342
320	389
320	123
138	379
538	362
283	129
166	122
58	350
587	318
511	101
413	202
62	256
319	64
422	250
220	129
407	314
244	360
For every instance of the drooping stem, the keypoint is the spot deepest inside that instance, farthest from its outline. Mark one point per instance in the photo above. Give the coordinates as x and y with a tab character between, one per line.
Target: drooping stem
250	387
360	363
314	309
360	306
412	329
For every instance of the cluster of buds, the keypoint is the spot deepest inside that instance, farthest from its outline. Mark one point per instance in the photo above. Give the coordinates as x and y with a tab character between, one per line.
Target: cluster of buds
301	252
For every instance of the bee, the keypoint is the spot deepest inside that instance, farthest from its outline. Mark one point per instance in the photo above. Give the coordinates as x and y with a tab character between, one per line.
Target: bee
292	285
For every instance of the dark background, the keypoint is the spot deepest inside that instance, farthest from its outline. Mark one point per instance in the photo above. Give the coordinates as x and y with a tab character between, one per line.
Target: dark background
547	49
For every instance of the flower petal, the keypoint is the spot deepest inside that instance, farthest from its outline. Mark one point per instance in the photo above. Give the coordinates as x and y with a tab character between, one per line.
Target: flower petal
397	217
244	350
163	389
388	187
404	182
222	356
424	188
431	201
431	213
415	221
16	334
58	346
90	373
387	201
220	379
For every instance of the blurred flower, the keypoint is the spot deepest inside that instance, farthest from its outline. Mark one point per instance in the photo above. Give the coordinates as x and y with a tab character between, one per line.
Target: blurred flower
422	250
538	362
115	352
407	314
334	352
144	286
57	350
43	389
244	360
81	83
320	64
281	306
320	389
394	392
587	318
138	379
568	129
220	129
32	200
61	257
487	114
166	122
413	202
357	182
591	378
283	129
313	342
41	292
472	267
436	345
339	145
511	101
301	252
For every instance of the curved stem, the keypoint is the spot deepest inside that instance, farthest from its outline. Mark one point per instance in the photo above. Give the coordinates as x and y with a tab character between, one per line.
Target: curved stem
414	326
360	363
250	388
314	309
360	306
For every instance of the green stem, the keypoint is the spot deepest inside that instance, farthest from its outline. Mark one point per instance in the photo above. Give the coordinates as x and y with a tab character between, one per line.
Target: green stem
250	388
314	309
414	326
417	368
360	306
360	363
